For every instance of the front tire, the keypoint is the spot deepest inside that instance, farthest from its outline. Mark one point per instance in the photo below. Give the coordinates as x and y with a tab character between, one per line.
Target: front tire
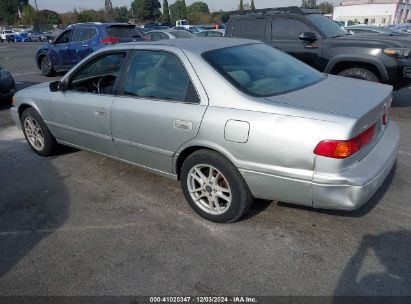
214	187
37	134
46	66
359	73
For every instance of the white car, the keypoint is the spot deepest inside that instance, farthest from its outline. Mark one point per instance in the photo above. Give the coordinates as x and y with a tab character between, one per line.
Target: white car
5	34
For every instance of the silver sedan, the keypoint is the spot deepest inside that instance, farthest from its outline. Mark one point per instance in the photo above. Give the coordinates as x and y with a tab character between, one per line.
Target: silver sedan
231	119
167	34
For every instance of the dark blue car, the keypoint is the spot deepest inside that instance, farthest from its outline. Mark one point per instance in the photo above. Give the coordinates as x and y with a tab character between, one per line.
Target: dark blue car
78	41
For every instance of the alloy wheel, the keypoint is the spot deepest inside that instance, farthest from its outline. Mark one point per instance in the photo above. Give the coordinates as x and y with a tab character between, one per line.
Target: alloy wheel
34	133
209	189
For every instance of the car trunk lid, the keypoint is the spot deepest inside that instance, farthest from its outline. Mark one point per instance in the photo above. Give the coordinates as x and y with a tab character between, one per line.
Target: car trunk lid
364	100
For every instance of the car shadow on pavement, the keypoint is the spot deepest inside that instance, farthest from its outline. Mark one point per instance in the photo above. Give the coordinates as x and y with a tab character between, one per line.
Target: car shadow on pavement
362	211
392	251
33	201
258	206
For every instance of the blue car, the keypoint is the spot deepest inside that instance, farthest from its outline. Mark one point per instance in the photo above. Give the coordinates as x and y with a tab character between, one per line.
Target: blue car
21	38
80	40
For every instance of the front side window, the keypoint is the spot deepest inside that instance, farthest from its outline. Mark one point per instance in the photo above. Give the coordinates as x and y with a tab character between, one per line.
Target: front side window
64	38
260	70
159	75
98	75
288	29
329	27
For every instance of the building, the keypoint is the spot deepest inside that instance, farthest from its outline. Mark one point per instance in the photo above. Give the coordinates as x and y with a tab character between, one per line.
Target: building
377	12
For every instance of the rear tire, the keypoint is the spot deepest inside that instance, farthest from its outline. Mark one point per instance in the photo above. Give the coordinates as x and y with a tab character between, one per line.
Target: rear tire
359	73
37	134
214	187
46	66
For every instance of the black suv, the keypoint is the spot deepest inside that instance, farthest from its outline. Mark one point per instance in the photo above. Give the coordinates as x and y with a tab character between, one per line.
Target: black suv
322	43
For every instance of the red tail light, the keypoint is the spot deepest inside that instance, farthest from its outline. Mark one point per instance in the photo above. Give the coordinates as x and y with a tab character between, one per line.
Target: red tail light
345	148
110	40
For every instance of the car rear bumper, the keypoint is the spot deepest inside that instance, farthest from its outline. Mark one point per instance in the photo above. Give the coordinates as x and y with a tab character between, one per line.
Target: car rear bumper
354	187
343	191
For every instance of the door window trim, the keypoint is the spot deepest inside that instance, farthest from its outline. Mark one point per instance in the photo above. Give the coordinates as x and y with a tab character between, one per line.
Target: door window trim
71	35
118	81
133	54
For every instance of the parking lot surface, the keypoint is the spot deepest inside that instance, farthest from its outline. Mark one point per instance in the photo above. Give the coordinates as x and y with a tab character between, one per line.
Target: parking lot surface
83	224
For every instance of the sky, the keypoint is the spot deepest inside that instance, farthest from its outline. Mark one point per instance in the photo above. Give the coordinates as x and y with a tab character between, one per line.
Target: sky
62	6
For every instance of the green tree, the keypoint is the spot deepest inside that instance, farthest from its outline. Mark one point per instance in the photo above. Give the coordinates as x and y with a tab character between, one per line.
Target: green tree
8	11
178	11
28	15
198	7
309	4
108	9
136	9
120	14
184	9
47	18
166	12
241	6
326	7
252	7
150	9
224	17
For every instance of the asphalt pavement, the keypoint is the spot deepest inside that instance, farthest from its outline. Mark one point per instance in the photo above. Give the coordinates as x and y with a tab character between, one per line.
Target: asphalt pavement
83	224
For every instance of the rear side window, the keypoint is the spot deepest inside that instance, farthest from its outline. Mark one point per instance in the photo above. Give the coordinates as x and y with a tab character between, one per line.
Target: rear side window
81	34
159	75
288	29
182	34
121	31
215	34
250	29
156	36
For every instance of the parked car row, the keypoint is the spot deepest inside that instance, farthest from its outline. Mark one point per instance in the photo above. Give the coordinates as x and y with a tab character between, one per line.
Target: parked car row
10	36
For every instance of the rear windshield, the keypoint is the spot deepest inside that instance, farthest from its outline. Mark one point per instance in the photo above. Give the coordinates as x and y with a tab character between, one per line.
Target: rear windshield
182	34
122	31
260	70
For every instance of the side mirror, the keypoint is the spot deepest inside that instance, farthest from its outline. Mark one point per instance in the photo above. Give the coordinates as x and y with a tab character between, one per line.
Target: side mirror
308	36
51	41
56	86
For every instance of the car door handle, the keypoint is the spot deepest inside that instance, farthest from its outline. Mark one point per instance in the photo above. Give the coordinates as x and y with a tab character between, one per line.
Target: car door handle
183	125
100	112
85	45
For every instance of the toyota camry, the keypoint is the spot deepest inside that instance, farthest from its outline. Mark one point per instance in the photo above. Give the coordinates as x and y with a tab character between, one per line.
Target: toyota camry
232	119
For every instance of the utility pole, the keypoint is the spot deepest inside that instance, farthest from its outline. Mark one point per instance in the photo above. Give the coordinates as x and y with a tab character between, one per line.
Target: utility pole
35	3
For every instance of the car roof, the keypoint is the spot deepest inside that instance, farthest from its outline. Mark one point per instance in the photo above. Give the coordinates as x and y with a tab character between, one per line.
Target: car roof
196	46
